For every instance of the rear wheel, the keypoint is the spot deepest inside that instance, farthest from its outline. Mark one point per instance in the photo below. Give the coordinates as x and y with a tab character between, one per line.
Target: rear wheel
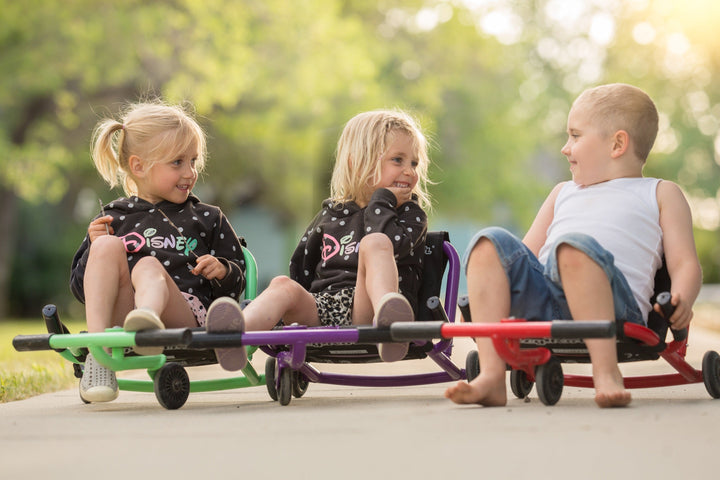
472	365
299	384
520	384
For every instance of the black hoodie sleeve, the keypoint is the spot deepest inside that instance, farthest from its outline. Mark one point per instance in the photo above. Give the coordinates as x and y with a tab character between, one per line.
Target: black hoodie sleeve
406	226
307	254
226	247
77	270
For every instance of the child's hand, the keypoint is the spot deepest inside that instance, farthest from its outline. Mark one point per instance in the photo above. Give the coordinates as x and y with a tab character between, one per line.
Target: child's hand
681	316
210	268
100	226
402	194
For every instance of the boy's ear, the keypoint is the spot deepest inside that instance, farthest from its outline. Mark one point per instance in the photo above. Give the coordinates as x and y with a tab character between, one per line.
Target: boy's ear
137	166
621	142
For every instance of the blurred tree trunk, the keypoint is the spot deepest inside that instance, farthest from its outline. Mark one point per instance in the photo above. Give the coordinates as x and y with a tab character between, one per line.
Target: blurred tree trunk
8	221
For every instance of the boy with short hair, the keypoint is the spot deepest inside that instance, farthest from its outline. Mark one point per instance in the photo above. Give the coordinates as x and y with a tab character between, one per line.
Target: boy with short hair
593	248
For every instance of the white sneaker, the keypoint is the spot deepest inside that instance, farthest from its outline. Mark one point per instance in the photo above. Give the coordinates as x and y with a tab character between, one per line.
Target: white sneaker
144	319
98	384
393	307
225	315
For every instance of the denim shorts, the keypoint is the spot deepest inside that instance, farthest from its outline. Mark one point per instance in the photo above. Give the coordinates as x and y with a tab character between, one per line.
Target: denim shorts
536	291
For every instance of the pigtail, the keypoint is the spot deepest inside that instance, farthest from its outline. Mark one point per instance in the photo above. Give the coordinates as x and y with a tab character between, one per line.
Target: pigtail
106	150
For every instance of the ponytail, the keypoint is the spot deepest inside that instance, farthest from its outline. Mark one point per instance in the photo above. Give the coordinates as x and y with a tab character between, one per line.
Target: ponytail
107	154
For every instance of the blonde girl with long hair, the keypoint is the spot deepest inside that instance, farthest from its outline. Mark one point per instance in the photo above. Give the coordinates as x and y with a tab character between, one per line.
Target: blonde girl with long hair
157	257
360	260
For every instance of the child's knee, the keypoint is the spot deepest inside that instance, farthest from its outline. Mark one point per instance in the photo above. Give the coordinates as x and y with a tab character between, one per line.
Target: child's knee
107	246
483	251
375	242
286	285
147	264
282	282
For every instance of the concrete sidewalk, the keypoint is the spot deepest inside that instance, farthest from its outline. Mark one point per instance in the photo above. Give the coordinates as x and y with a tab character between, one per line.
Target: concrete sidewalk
344	432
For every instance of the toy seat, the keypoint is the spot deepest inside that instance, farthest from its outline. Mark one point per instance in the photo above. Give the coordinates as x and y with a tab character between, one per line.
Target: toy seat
433	272
288	371
168	378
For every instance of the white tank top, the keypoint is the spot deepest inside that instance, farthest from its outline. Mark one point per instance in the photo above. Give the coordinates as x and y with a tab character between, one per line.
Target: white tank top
623	216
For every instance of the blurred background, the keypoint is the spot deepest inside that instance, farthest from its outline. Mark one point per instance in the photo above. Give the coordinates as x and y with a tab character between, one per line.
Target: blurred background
274	81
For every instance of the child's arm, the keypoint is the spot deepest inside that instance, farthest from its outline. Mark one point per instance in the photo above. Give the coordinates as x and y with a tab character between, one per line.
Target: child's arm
680	254
537	234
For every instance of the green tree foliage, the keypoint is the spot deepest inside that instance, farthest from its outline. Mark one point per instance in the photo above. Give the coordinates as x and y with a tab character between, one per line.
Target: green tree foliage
274	81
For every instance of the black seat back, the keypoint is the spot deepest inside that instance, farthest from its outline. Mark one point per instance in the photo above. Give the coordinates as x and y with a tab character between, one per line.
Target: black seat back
435	264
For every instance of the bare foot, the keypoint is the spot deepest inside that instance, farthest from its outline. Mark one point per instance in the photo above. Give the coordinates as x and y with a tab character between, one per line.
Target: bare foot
610	390
617	399
483	391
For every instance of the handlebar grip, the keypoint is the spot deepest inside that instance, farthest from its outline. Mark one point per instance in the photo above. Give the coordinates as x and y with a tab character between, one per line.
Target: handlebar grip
436	309
31	343
663	299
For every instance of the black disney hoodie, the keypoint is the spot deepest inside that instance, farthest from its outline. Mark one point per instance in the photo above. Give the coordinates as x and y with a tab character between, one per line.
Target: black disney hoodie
175	234
327	256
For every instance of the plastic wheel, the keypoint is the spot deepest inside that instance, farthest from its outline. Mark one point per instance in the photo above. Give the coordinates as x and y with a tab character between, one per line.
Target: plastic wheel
520	384
711	373
472	365
270	378
285	385
172	386
549	380
299	384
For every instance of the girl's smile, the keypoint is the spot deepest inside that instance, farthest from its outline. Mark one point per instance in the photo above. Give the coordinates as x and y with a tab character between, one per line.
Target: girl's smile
399	164
171	180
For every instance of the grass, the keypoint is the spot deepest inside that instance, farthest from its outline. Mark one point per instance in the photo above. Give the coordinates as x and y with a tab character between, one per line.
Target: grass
24	374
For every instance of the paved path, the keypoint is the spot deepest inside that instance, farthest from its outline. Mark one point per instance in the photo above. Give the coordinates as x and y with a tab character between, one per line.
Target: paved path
342	432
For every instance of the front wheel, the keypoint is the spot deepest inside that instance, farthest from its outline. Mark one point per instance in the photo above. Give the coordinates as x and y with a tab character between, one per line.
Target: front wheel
285	385
172	386
711	373
549	380
270	367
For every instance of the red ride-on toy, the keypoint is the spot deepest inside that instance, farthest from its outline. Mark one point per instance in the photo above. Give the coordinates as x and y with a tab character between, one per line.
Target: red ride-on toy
538	362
